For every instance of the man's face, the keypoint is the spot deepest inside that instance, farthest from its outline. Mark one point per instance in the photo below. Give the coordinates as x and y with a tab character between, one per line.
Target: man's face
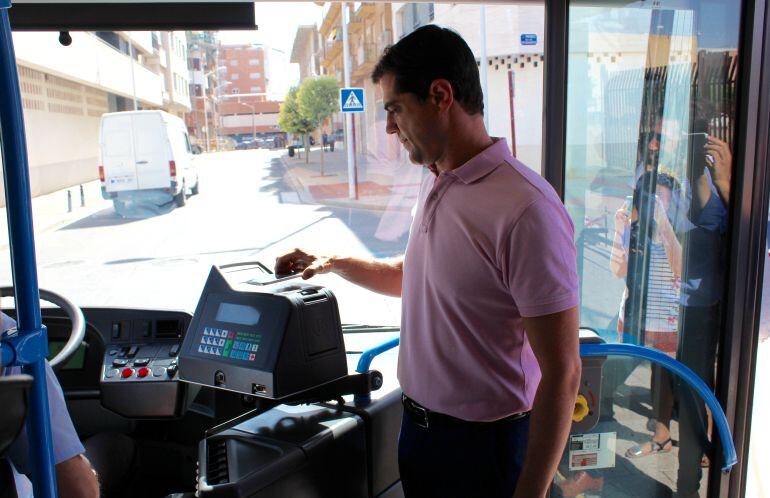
417	124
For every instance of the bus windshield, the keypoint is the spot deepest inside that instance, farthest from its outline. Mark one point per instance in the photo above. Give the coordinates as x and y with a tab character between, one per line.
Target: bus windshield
154	155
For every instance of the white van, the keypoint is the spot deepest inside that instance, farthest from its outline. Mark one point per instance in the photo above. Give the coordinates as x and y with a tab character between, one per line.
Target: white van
146	157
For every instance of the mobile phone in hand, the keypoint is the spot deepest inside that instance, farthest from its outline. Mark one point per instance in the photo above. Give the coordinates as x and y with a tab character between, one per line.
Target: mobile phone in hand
697	147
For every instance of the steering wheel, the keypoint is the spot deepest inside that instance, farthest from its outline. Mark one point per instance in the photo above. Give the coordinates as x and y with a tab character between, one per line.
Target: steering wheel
75	314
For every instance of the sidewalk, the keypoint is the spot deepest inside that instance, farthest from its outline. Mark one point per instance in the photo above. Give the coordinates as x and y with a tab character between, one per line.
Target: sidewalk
49	211
383	185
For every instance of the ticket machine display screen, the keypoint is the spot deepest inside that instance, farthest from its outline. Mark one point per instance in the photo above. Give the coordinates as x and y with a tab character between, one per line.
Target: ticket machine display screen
241	314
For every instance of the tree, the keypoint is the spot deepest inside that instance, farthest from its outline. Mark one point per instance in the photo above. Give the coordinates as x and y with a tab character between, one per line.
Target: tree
291	119
318	99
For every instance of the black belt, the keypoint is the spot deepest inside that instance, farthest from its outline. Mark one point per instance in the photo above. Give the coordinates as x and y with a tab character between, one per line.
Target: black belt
424	418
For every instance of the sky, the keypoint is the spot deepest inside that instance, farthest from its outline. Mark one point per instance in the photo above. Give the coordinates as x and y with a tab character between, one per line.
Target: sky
277	24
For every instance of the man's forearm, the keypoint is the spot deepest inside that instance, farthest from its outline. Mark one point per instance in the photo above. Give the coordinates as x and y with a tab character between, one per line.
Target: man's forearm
75	478
549	426
383	276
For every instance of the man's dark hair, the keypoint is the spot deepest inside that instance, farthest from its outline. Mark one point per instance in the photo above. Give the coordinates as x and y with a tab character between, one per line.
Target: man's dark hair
430	53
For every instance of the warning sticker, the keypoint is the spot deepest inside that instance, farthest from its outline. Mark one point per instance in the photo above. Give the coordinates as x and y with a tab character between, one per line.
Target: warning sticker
592	451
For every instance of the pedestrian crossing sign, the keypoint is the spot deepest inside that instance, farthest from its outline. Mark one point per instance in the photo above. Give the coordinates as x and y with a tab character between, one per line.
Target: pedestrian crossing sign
352	99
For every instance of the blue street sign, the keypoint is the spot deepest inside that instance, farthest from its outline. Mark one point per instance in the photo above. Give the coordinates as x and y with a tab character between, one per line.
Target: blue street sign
529	39
352	99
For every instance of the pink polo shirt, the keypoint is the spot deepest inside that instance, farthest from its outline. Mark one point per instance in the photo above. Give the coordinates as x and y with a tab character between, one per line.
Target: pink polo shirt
490	243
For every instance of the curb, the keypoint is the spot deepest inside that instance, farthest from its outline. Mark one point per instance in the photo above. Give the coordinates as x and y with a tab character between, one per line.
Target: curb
308	198
354	204
304	194
74	216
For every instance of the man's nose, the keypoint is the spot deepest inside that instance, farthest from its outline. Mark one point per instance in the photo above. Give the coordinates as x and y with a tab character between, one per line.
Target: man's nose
390	126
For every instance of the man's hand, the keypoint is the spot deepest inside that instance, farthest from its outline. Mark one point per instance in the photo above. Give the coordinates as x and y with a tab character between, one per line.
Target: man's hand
75	478
555	341
301	261
622	219
376	275
722	166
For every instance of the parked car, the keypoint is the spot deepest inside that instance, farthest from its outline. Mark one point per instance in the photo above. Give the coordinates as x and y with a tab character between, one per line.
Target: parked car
145	156
245	145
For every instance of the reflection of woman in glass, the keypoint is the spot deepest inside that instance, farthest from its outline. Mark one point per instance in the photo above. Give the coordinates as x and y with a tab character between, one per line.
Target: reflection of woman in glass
702	296
662	297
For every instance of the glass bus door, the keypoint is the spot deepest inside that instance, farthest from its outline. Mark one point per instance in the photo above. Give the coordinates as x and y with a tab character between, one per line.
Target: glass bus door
650	134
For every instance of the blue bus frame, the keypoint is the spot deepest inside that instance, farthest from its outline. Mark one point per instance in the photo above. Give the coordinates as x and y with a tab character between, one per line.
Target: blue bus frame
27	346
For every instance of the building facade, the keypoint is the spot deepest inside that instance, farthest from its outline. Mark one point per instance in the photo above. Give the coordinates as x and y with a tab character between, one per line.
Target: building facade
202	121
245	111
370	30
306	51
65	91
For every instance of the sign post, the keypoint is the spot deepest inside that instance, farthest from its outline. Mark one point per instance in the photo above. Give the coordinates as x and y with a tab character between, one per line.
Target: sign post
351	102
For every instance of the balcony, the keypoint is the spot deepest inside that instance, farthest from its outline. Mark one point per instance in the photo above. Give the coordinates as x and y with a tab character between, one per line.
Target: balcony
332	53
355	27
364	61
331	18
364	10
92	62
385	39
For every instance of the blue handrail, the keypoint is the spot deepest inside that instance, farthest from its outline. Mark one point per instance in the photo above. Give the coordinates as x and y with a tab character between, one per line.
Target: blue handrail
629	350
29	345
684	373
367	356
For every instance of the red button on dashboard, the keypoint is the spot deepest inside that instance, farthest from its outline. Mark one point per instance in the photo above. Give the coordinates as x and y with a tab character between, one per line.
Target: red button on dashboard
127	372
143	372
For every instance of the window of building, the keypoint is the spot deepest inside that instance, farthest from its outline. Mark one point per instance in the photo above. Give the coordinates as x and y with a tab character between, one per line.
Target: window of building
235	76
256	89
414	15
253	62
108	37
234	62
255	75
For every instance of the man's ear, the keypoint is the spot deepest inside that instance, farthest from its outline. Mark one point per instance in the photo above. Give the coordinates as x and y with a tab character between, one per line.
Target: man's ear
441	94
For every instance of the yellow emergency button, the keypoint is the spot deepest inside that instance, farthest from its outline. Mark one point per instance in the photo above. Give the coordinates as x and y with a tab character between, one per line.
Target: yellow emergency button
581	409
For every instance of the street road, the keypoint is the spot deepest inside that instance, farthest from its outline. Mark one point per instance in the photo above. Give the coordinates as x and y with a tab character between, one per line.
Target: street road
244	212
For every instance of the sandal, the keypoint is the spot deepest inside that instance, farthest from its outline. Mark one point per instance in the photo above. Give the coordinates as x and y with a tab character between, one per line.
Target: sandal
654	448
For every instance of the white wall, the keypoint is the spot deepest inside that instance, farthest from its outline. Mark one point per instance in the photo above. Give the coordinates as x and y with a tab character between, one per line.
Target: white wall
234	121
504	25
142	40
89	61
52	137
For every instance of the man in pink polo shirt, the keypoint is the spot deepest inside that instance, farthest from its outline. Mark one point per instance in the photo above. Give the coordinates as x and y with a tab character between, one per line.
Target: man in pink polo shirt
489	331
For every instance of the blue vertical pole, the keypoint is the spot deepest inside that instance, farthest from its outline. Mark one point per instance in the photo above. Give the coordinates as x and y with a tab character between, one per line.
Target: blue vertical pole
23	264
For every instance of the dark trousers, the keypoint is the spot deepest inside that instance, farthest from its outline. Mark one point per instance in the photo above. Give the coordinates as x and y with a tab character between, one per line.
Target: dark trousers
462	460
699	337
